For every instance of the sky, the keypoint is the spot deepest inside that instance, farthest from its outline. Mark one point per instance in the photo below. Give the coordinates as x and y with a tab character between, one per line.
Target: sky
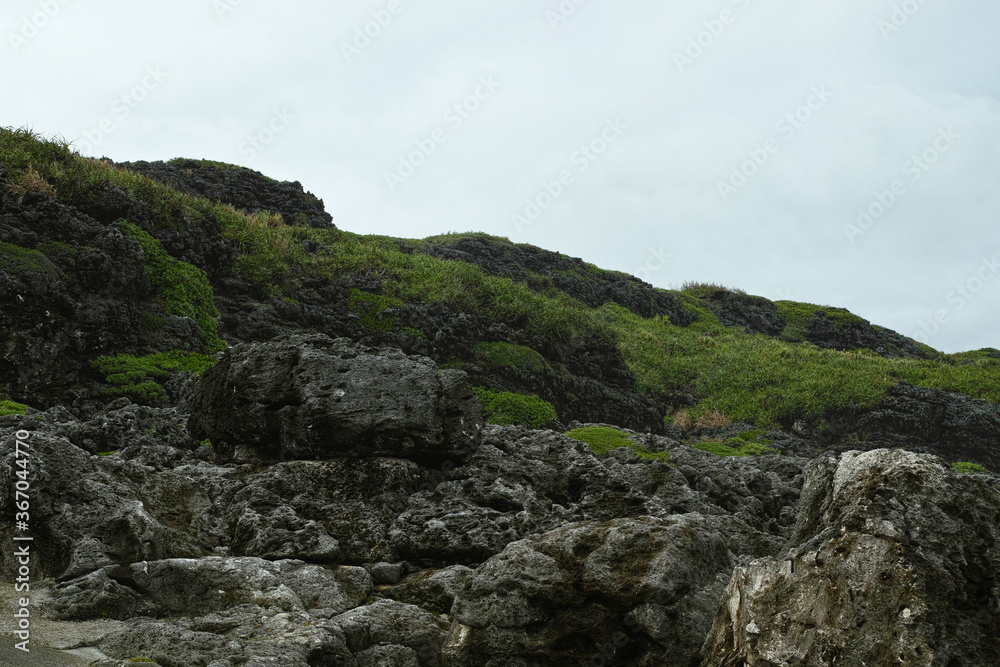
838	152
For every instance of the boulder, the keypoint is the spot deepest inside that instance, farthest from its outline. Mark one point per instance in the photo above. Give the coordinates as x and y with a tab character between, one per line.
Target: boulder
620	592
314	397
894	560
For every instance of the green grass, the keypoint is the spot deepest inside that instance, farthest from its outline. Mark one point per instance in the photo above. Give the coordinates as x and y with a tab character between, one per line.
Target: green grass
966	467
603	439
15	259
508	355
181	288
369	309
135	377
10	408
765	381
748	443
506	408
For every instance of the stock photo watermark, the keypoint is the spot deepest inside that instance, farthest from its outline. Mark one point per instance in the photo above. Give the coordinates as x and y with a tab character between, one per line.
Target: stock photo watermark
582	158
22	541
365	34
121	109
656	259
223	7
787	126
265	136
564	12
885	199
454	117
712	30
961	295
32	25
899	17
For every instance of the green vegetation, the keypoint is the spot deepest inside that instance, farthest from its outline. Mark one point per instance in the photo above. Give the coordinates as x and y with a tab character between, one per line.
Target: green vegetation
181	288
797	317
9	408
369	307
966	467
17	260
507	355
604	439
134	376
504	407
731	374
748	443
140	659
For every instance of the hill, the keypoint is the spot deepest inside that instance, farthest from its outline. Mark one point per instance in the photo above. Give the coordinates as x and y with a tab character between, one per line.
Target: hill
252	438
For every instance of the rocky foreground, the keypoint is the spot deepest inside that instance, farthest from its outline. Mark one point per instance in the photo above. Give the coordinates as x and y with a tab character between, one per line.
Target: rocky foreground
312	502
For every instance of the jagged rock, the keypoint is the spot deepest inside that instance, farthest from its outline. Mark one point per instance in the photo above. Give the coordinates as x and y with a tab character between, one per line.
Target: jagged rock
310	396
388	622
430	589
620	591
193	587
88	511
521	482
894	560
952	426
243	188
323	511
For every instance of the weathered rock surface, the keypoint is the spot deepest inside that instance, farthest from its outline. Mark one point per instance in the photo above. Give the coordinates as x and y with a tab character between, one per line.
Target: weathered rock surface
243	188
624	591
894	560
952	426
520	482
310	396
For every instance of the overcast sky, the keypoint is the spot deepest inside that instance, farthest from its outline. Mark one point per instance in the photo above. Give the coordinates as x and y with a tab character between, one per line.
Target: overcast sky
730	141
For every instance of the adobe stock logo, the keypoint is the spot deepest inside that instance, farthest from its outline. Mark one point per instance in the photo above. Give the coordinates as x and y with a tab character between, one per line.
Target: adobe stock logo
121	109
456	116
265	136
31	26
582	158
787	126
365	34
961	295
915	168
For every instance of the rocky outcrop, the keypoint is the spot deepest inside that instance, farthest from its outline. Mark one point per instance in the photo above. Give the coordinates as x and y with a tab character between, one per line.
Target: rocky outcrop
952	426
894	560
542	268
243	188
625	591
310	396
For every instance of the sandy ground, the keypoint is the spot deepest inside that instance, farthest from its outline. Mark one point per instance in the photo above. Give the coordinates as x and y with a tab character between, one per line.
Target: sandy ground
53	643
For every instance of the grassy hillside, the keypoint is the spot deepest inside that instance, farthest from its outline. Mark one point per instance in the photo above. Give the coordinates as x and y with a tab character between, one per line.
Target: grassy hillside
729	371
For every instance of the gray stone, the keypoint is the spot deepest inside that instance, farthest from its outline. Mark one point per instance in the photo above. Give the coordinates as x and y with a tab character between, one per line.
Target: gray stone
894	560
310	396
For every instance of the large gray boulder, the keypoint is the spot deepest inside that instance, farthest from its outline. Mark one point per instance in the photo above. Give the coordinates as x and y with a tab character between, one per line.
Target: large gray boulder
894	560
623	592
310	396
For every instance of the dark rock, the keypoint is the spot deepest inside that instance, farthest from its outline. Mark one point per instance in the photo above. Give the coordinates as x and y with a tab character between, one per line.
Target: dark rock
322	511
952	426
310	396
244	188
620	591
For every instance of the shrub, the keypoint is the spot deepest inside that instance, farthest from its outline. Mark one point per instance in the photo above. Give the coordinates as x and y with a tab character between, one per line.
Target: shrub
966	467
9	408
369	307
604	439
181	288
508	355
748	443
134	376
506	408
